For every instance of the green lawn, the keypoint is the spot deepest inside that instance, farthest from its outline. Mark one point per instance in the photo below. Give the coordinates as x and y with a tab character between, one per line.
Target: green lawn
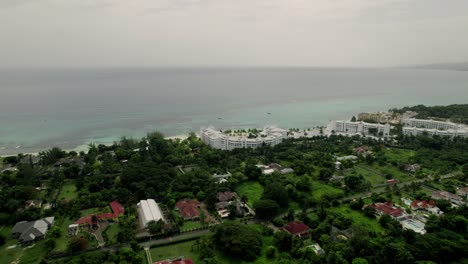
8	255
112	231
32	254
320	189
373	178
95	210
358	218
185	249
61	243
385	170
253	191
68	191
190	225
174	251
400	156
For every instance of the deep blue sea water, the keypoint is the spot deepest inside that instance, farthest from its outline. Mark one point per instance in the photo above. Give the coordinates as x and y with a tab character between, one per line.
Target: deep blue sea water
69	108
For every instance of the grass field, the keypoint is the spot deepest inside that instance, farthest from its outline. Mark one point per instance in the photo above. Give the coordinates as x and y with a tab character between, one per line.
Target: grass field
190	225
68	191
32	254
320	189
174	251
373	178
95	210
112	231
253	191
62	242
400	156
185	249
359	218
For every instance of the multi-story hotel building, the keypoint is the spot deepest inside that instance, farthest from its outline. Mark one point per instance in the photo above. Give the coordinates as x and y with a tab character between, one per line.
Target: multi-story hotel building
430	124
270	135
417	127
360	128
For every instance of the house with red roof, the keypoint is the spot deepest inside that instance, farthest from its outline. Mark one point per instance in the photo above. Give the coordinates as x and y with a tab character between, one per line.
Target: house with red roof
175	261
387	208
429	206
463	192
415	205
362	151
188	209
298	229
117	210
443	195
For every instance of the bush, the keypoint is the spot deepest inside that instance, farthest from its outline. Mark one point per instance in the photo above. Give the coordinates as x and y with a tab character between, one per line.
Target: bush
270	252
278	222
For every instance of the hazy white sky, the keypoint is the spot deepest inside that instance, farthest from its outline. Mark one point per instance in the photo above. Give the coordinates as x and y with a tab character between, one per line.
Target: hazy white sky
80	33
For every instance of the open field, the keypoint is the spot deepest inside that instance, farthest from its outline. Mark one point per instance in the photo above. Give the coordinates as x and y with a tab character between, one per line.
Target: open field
253	191
61	243
400	156
112	231
174	251
190	225
185	249
68	191
320	189
373	178
12	251
95	210
359	218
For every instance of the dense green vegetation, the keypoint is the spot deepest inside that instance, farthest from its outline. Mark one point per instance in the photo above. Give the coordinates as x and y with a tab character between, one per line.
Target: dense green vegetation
457	112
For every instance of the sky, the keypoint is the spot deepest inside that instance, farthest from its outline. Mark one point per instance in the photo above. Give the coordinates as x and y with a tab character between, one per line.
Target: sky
146	33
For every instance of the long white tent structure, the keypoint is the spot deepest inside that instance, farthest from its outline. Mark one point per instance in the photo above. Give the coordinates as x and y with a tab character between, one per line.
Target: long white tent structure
148	210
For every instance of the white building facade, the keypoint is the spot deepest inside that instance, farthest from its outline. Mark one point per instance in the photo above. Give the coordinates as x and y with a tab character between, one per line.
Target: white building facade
148	210
417	127
270	135
360	127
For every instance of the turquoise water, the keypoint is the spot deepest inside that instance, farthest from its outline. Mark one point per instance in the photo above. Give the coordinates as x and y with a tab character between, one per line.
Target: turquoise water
69	108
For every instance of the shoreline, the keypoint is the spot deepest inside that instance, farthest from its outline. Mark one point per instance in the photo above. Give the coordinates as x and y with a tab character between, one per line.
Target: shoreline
85	147
312	131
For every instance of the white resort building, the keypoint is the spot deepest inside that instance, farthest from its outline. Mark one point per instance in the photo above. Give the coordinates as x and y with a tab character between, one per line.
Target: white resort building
270	135
417	127
359	127
148	210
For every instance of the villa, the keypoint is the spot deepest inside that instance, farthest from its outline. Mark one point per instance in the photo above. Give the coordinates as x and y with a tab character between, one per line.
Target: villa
297	229
387	208
175	261
188	209
270	135
443	195
274	167
28	232
463	192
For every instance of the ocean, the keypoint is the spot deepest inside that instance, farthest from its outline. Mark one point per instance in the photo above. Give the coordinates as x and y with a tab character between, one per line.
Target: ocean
70	108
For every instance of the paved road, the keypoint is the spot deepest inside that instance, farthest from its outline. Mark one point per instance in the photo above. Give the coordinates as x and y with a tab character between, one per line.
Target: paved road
176	238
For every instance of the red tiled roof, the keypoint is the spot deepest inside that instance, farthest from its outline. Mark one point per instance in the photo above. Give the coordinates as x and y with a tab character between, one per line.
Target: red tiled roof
423	204
388	209
226	196
117	209
188	208
296	227
182	261
361	149
446	195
